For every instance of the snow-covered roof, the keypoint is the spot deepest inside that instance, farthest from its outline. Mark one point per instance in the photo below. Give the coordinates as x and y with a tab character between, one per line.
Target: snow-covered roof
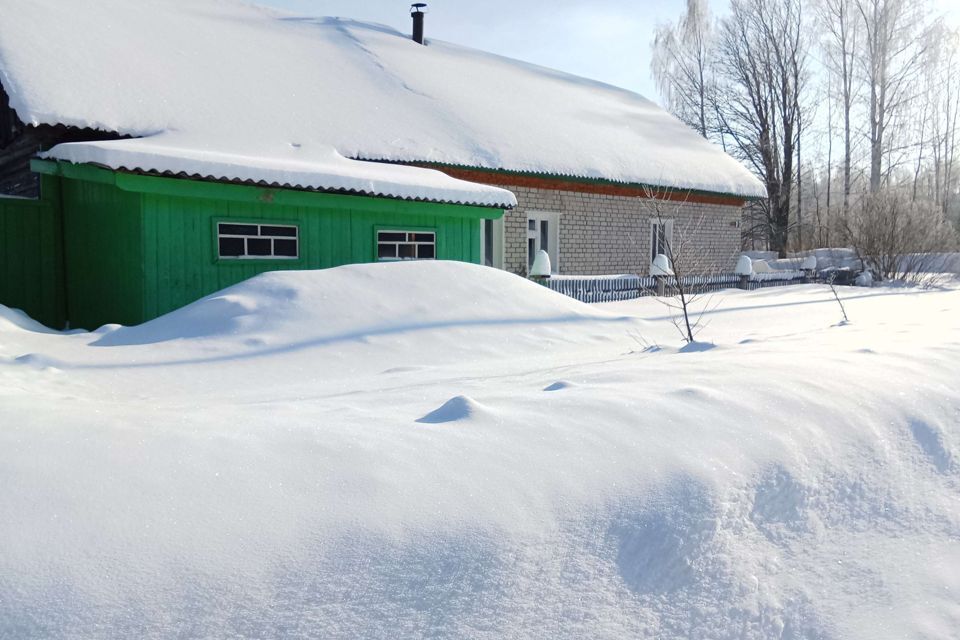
254	81
316	166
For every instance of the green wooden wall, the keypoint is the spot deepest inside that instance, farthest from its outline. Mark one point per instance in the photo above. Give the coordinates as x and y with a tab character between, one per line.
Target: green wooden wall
103	254
180	257
137	246
31	258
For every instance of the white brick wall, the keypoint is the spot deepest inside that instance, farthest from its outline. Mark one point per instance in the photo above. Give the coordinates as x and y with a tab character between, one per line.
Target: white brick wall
602	234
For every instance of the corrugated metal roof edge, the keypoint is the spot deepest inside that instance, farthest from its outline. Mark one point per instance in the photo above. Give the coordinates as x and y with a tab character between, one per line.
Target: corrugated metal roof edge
427	164
277	185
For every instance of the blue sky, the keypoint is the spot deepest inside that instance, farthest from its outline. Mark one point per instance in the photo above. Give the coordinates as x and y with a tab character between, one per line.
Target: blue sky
607	40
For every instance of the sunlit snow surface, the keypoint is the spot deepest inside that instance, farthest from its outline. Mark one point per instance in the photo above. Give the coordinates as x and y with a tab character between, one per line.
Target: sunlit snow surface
271	93
443	450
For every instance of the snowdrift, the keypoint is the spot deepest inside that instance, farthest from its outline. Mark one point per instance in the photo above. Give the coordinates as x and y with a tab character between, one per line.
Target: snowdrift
454	303
442	473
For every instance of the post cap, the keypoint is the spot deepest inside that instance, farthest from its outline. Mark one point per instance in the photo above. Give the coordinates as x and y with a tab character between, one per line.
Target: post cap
661	266
541	265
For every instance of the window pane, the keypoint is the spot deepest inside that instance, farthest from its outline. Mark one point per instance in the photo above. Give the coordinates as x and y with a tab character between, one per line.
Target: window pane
285	248
258	247
285	232
426	251
387	251
531	225
544	235
390	236
488	242
231	247
238	229
423	237
407	251
531	252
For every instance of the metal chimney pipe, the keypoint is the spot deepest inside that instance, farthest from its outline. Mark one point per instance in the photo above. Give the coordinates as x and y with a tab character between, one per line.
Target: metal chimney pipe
417	11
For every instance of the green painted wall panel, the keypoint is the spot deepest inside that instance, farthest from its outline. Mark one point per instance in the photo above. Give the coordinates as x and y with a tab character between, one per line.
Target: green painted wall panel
128	248
31	265
104	254
181	265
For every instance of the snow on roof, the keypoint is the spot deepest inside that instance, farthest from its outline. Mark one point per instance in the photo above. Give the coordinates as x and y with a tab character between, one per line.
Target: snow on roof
317	167
251	79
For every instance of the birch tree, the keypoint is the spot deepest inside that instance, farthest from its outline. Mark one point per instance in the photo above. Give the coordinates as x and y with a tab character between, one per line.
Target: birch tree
841	25
890	58
942	103
682	67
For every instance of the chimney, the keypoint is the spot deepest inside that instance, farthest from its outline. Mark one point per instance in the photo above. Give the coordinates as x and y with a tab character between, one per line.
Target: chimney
418	11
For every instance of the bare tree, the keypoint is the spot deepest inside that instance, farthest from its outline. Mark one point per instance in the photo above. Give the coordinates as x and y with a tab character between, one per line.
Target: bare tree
892	52
675	235
841	25
942	107
763	71
682	67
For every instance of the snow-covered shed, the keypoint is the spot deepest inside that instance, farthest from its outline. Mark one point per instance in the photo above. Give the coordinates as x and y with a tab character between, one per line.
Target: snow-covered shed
162	125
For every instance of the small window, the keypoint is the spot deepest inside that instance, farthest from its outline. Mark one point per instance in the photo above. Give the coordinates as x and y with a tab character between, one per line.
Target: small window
406	245
258	241
661	238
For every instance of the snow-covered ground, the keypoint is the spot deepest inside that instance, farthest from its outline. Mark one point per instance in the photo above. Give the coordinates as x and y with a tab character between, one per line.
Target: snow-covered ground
444	450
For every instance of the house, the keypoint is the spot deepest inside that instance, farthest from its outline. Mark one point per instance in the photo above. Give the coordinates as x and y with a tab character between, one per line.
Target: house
173	148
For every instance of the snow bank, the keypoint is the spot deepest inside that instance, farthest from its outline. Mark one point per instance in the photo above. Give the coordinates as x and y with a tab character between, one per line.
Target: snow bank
16	320
455	467
361	301
253	82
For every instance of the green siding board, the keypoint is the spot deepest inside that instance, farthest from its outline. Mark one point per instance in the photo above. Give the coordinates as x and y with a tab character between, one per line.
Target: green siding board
140	246
188	267
31	270
104	264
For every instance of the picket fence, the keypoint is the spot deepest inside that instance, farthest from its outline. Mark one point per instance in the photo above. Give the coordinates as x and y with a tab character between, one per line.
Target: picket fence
614	288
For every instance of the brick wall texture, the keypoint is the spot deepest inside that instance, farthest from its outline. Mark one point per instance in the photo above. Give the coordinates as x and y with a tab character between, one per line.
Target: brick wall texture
606	234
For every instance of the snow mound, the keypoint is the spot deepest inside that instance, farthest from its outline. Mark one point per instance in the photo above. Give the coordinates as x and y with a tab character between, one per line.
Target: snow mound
786	489
358	302
16	320
454	410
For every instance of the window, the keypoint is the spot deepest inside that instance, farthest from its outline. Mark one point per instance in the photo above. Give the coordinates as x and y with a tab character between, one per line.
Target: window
543	233
661	237
258	241
491	243
406	245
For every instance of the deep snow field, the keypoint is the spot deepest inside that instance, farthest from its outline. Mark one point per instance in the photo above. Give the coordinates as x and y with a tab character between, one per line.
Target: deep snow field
448	451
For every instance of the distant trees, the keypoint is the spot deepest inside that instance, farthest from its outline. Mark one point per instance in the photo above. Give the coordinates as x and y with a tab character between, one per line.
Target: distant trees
867	90
896	238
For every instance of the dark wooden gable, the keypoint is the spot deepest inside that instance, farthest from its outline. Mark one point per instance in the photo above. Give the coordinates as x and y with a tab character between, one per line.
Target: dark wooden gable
19	143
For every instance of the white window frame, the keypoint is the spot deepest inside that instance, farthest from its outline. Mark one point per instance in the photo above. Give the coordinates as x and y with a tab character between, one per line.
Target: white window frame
497	225
260	236
553	236
668	238
415	243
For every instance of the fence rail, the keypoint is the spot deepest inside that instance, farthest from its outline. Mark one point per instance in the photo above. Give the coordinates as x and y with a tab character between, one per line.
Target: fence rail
615	288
